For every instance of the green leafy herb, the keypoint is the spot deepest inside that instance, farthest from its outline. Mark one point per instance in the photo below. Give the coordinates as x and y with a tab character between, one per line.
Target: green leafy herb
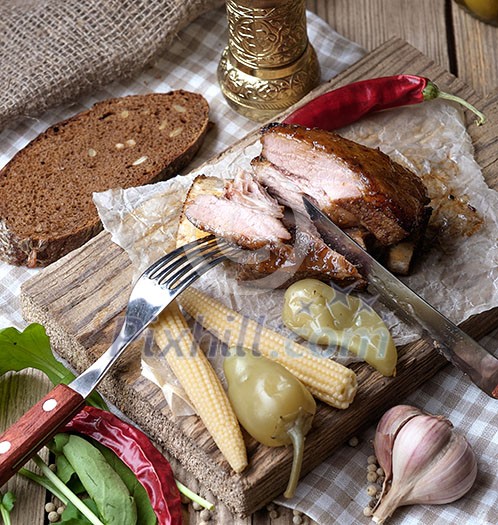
7	501
67	474
72	516
145	512
31	349
45	483
65	470
103	484
190	494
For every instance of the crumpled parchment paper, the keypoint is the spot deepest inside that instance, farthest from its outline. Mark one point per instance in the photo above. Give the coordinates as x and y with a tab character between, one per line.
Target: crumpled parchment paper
458	274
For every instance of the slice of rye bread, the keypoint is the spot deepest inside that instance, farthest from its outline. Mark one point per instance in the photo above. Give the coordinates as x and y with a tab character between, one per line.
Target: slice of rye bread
46	206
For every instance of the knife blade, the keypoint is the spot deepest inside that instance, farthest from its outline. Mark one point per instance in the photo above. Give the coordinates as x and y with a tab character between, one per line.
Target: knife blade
455	345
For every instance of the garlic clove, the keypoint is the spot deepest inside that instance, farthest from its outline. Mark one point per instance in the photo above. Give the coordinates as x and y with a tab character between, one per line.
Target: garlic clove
417	442
449	477
386	432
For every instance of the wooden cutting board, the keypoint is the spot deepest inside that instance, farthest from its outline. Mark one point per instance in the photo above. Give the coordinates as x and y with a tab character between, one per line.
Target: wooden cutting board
80	300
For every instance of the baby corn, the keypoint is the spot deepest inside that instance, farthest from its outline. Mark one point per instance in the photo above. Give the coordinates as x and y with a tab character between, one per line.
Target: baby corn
327	380
201	384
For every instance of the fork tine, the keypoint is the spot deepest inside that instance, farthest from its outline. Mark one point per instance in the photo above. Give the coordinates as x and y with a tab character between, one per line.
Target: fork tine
178	252
193	276
191	248
188	265
148	298
185	259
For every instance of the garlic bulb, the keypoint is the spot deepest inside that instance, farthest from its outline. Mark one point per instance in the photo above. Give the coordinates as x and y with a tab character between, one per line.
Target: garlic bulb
424	460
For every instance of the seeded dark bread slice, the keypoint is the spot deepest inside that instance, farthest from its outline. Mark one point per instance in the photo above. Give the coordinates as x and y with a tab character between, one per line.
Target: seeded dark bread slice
46	207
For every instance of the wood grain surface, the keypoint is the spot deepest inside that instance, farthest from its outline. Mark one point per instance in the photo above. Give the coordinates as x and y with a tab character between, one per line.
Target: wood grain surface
440	29
370	23
80	300
21	391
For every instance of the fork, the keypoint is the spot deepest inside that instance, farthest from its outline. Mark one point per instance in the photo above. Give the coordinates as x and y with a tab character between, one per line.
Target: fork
154	290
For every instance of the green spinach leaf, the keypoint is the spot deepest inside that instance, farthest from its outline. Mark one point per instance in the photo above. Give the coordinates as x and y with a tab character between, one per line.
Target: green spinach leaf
65	471
145	512
72	516
103	484
67	474
31	349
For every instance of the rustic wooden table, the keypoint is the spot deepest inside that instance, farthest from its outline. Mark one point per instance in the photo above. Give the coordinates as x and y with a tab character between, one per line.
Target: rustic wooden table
442	31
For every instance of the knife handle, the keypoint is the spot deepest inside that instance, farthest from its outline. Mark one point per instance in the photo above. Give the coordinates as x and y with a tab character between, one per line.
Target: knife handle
35	428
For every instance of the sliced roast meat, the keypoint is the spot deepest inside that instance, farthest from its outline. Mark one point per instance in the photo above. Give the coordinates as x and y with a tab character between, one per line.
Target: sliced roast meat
279	183
346	179
280	250
288	188
245	214
362	237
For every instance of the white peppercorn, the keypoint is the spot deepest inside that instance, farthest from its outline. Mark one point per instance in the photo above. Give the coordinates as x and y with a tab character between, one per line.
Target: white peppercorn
367	511
353	442
205	515
371	490
372	477
50	507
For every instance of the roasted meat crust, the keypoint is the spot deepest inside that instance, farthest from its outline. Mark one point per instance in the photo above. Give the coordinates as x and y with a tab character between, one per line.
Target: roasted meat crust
342	175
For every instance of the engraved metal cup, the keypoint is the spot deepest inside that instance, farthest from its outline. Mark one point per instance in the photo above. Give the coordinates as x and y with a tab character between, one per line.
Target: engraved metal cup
269	63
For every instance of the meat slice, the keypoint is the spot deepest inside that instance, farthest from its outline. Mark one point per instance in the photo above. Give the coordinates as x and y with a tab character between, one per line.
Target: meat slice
351	183
187	232
279	251
362	237
244	214
288	188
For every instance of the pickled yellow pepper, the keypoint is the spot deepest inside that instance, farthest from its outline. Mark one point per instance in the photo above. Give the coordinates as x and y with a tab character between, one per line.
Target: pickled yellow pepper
325	316
273	406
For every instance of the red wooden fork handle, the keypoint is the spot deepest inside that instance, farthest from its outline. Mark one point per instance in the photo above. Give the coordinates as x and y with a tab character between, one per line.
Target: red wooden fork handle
25	437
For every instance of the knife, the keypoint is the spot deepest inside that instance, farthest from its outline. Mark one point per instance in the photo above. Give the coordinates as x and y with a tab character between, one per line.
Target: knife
454	344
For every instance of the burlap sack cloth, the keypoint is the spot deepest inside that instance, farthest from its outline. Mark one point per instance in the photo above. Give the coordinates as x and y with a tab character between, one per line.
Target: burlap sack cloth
53	51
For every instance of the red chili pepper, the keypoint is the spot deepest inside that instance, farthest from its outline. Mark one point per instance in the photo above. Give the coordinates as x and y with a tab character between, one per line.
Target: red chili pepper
135	449
347	104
